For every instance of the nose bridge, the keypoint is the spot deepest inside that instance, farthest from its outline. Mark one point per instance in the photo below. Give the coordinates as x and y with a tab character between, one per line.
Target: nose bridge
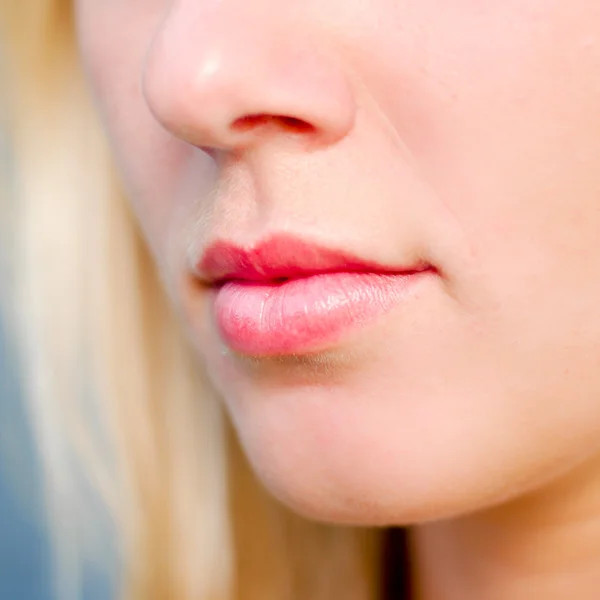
220	73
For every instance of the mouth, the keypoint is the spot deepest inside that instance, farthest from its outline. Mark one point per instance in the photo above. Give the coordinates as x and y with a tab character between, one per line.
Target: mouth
287	296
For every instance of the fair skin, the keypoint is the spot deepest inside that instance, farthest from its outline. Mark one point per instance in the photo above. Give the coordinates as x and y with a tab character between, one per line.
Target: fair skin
463	134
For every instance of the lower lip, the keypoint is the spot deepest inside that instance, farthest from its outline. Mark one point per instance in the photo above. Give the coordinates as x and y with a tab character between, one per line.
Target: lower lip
300	315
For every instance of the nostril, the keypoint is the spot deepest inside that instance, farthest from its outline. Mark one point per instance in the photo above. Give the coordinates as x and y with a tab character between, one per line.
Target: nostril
296	125
291	124
250	122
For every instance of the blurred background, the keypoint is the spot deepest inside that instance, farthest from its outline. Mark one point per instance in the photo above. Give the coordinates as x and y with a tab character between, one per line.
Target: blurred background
24	552
26	571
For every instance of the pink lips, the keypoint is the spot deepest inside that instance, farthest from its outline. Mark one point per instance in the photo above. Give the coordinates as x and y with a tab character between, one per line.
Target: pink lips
286	296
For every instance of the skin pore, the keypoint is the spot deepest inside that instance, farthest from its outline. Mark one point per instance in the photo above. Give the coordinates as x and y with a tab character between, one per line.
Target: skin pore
465	135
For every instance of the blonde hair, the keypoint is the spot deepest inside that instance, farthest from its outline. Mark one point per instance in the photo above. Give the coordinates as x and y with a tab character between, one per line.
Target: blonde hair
120	408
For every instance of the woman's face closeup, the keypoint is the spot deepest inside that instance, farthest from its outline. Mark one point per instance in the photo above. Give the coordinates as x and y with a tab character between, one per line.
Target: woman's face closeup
380	223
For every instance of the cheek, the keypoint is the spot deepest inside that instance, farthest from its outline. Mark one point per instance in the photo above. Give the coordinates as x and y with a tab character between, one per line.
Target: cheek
513	148
154	168
501	110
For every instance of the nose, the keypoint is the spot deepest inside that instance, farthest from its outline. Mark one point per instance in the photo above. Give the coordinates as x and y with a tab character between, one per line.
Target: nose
220	76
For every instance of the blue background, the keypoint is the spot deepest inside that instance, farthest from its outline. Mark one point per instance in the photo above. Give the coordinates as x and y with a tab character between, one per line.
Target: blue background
24	553
25	559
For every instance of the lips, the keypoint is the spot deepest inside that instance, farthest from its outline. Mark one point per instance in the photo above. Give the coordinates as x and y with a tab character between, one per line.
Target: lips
287	296
283	257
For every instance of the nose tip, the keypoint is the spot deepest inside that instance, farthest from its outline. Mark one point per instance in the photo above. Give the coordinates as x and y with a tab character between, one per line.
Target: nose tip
226	92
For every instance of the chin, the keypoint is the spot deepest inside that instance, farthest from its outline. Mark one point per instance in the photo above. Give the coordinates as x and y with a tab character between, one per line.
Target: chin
337	457
348	470
380	495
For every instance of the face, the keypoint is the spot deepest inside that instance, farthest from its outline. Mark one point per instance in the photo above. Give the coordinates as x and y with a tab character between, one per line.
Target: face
380	224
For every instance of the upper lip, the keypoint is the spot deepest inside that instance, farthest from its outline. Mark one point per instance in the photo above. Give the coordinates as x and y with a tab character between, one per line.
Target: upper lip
283	256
